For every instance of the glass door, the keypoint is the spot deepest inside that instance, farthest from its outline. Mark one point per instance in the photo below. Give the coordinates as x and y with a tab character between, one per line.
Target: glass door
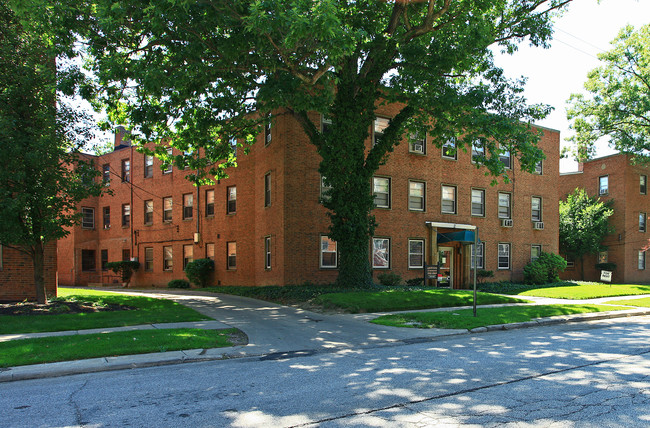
446	271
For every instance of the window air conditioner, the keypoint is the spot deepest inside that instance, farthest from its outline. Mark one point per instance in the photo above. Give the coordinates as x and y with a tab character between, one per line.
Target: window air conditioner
418	148
538	225
506	222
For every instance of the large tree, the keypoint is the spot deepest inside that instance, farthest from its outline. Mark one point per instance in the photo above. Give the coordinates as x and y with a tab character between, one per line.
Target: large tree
584	222
41	178
618	101
196	73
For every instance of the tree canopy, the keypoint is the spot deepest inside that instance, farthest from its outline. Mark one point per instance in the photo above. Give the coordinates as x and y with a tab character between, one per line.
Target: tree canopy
618	101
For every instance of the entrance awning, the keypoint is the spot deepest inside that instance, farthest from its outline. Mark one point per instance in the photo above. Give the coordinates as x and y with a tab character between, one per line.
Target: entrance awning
456	236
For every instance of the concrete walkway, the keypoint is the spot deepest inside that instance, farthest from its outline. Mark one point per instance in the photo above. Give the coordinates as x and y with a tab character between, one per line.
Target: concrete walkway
274	332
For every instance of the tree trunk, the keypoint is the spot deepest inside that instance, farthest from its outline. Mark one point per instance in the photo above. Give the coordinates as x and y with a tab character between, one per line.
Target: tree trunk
38	257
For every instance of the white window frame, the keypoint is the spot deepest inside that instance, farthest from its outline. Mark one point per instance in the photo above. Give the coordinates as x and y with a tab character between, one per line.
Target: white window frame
170	168
454	210
641	260
148	166
267	252
643	222
480	256
532	208
508	247
505	157
323	189
507	215
267	190
87	218
539	168
482	204
478	149
414	138
381	246
379	125
375	182
415	198
233	146
268	133
325	123
231	255
450	142
106	174
533	248
603	190
325	244
643	184
421	254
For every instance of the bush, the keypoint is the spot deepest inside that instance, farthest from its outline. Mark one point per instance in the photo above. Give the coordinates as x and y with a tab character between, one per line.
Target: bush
415	282
178	283
482	275
545	269
198	271
389	279
606	266
125	269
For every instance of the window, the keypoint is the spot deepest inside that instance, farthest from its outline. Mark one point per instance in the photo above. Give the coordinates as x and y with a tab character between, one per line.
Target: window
603	257
106	174
380	253
538	168
641	263
381	123
449	150
232	255
267	190
504	256
328	253
267	252
233	146
167	209
126	255
504	205
325	124
126	170
603	185
478	259
107	217
478	150
535	251
87	260
416	195
478	202
642	221
643	184
170	166
188	206
148	212
87	218
267	132
168	260
381	191
209	251
148	259
505	158
324	189
104	259
126	215
188	255
416	253
536	208
148	166
231	204
418	144
448	201
209	202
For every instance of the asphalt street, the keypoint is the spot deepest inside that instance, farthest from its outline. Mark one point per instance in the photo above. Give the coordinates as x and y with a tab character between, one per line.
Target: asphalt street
573	375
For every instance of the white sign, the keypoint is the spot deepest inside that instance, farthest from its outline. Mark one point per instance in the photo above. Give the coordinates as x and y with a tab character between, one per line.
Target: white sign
606	276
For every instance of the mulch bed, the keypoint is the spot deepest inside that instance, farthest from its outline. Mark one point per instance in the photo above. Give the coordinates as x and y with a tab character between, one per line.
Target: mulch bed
59	307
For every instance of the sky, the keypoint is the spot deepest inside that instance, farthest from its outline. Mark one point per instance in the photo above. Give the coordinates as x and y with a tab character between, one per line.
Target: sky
583	31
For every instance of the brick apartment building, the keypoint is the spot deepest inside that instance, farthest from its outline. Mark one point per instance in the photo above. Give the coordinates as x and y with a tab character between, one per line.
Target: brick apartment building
17	274
265	224
615	178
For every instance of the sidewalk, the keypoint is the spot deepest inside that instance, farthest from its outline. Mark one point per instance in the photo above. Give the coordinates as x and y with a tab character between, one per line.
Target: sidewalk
275	332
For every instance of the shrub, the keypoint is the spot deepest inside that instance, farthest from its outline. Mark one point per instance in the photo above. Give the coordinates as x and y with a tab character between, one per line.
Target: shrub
389	279
606	266
415	282
198	271
125	269
178	283
482	275
545	269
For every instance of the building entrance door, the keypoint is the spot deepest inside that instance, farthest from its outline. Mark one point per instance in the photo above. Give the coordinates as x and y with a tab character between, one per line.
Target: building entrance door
446	272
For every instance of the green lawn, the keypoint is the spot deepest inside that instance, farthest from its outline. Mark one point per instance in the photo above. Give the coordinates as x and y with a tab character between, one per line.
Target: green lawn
588	290
403	300
464	319
147	311
643	302
66	348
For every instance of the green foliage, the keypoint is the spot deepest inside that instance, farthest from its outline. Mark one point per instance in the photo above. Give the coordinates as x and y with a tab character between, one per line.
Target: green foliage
617	106
124	268
606	266
415	282
199	271
178	283
389	279
584	222
482	275
544	269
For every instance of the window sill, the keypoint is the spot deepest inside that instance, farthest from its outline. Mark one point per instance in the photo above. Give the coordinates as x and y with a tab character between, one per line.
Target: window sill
449	159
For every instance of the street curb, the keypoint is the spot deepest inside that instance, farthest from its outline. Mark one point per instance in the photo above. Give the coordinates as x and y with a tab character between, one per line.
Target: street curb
95	365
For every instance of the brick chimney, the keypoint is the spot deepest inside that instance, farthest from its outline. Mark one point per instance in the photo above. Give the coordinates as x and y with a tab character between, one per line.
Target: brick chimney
121	137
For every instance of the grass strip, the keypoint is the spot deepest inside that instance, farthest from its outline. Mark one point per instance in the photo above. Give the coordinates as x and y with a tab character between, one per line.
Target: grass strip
588	290
146	310
464	319
399	300
644	302
77	347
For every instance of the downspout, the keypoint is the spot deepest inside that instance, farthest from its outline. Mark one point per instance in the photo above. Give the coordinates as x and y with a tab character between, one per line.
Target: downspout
131	214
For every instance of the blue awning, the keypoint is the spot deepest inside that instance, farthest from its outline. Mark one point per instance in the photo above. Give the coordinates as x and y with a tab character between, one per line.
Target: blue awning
457	236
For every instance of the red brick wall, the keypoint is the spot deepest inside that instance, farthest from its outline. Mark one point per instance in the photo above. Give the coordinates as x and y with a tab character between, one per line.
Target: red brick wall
17	274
